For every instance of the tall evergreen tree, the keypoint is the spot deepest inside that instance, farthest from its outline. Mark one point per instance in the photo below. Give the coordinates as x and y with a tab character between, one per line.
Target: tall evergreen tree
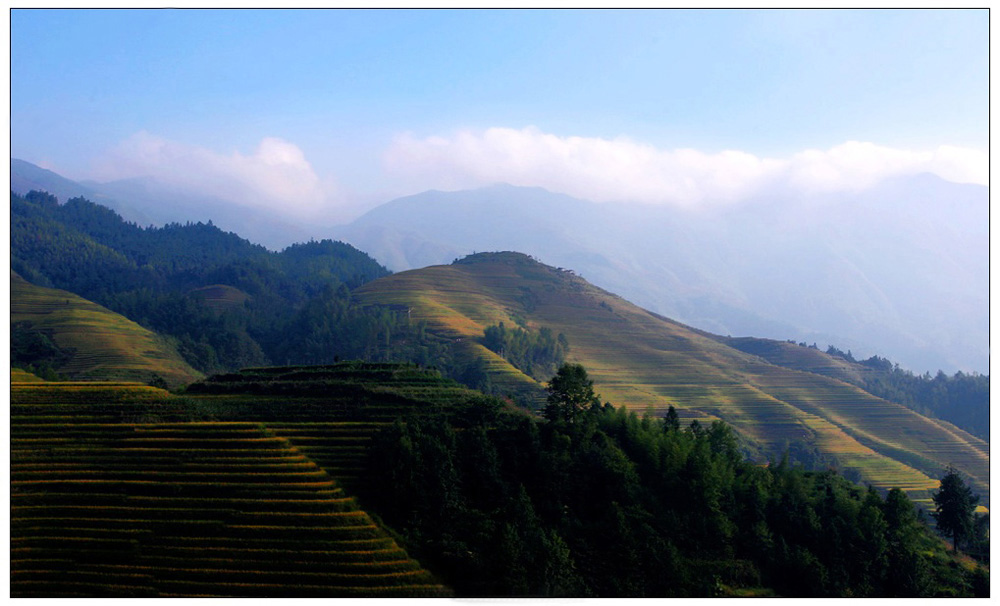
954	506
570	392
671	421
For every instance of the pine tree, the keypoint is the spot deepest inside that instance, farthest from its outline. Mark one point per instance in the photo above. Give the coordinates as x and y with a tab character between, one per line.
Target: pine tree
671	422
954	507
570	392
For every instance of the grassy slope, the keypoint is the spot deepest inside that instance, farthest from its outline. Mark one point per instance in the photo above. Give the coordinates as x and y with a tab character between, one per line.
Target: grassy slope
647	362
18	375
107	346
797	357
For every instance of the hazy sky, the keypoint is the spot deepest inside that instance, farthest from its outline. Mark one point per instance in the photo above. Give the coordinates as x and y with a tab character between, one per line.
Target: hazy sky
321	110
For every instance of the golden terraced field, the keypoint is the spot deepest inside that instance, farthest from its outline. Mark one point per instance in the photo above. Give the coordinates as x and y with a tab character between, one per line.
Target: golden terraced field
105	504
104	345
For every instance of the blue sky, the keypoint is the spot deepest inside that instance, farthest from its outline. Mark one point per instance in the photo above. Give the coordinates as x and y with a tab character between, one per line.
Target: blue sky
370	103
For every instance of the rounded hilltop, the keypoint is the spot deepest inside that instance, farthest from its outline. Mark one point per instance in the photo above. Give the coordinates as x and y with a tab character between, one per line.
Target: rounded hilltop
508	256
512	258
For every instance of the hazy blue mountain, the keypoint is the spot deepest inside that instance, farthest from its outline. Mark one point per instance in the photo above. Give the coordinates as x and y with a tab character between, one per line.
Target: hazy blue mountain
899	270
25	176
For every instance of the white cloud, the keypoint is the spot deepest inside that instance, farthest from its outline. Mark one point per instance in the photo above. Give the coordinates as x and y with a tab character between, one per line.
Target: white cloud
276	175
856	165
625	170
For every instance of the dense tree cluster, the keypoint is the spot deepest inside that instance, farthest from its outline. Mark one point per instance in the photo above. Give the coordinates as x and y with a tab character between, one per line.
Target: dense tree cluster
609	504
150	275
955	514
571	393
35	350
537	354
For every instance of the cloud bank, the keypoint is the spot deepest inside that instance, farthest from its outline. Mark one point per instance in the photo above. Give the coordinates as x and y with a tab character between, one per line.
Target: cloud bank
624	170
276	175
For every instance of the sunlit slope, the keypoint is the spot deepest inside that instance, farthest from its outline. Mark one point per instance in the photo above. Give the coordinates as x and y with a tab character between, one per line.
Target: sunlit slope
790	355
104	345
18	375
647	362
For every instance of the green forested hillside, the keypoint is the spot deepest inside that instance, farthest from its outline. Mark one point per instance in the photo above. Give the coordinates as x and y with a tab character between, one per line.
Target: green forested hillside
591	504
227	303
647	363
613	505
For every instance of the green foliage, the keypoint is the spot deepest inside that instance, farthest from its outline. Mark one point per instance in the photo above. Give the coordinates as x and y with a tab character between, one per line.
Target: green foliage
150	274
537	354
954	506
613	505
671	422
31	346
570	393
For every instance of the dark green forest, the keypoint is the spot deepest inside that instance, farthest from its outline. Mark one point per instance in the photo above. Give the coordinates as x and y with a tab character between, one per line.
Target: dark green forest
297	305
600	502
537	354
37	351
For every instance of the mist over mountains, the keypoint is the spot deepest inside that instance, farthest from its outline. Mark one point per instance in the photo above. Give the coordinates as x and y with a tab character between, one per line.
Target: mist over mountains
899	270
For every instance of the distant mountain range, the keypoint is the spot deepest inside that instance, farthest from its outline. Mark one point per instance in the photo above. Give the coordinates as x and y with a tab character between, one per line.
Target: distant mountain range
900	270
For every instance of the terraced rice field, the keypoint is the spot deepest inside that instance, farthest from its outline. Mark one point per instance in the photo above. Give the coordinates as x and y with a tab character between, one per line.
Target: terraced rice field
105	507
221	297
339	448
105	346
333	429
911	439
